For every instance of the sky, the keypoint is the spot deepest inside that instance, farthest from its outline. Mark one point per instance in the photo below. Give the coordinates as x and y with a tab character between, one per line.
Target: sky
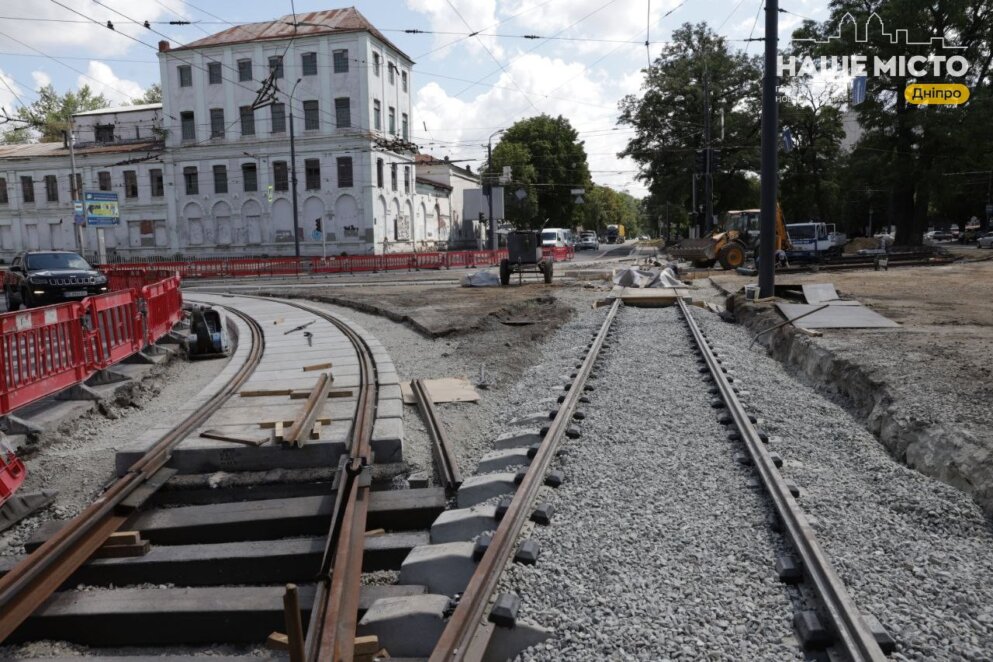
589	55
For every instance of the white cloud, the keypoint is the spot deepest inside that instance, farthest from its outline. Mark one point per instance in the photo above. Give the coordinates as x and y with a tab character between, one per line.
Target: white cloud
459	128
96	40
103	80
479	14
9	91
41	79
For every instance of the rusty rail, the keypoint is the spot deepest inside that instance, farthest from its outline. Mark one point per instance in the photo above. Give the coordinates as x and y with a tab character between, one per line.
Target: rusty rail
464	636
441	448
36	577
853	636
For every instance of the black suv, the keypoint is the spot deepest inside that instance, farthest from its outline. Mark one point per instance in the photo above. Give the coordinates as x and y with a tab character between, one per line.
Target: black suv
41	278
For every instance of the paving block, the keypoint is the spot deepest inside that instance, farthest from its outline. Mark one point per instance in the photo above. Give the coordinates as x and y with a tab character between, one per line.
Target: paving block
406	626
463	524
517	439
387	439
444	568
482	488
389	409
504	459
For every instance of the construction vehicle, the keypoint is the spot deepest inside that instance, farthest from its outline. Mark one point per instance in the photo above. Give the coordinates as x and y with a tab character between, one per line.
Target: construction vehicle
524	255
810	242
208	338
730	244
615	234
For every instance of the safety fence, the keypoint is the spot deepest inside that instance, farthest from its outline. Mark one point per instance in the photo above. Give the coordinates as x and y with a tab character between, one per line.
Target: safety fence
289	266
46	350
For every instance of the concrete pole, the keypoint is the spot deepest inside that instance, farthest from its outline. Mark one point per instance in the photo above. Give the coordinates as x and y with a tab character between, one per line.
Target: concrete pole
770	165
293	180
76	194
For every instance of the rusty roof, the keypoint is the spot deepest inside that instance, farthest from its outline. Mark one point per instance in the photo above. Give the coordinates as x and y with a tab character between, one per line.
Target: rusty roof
58	149
327	21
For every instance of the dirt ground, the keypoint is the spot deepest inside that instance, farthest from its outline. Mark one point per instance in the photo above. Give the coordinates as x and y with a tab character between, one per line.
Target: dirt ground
937	363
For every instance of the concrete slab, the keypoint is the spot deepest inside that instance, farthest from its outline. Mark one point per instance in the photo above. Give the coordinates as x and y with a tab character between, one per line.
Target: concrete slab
387	439
389	409
463	524
835	317
477	489
503	459
407	626
517	439
444	568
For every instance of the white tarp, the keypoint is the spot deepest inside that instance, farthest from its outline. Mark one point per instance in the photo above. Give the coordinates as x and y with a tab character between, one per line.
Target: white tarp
484	278
637	278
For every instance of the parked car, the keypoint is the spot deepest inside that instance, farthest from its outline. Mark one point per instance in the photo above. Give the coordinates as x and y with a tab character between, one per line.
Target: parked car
986	241
41	278
588	240
936	236
555	238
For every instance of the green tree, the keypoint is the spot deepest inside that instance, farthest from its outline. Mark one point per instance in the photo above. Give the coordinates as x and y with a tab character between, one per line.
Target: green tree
550	149
668	117
521	212
152	95
51	113
912	145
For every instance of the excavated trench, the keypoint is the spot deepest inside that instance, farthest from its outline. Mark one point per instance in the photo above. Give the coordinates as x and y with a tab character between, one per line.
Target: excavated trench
945	450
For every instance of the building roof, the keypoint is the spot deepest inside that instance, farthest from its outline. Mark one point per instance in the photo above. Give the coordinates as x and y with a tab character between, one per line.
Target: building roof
327	21
431	182
31	150
119	109
429	160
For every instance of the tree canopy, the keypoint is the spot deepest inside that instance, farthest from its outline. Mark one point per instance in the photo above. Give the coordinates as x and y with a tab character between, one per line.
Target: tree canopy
49	115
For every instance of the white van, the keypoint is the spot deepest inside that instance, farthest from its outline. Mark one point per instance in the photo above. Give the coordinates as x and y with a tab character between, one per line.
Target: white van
555	238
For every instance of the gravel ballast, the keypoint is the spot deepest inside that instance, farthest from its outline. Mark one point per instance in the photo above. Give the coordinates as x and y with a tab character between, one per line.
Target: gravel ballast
657	549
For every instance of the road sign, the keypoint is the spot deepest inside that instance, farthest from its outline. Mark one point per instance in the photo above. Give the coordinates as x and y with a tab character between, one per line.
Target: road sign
101	208
78	217
578	191
507	175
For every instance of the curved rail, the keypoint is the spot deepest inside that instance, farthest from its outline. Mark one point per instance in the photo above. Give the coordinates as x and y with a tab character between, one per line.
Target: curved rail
35	578
467	632
853	637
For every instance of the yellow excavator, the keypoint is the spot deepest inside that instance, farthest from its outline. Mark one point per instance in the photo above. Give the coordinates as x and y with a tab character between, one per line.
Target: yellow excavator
730	244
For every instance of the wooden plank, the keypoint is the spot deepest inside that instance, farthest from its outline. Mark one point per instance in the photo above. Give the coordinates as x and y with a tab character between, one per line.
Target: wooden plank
278	433
122	551
317	366
315	432
300	394
265	392
220	436
307	415
367	645
123	538
445	389
277	641
268	425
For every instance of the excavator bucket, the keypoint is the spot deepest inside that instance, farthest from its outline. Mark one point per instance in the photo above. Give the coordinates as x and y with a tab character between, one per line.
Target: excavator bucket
695	250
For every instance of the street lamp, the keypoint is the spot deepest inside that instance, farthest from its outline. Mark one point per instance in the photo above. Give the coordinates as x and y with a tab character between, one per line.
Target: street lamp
293	177
489	195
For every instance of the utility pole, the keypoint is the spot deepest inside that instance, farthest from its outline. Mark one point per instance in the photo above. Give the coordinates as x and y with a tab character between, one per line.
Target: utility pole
770	157
708	165
77	195
489	188
293	179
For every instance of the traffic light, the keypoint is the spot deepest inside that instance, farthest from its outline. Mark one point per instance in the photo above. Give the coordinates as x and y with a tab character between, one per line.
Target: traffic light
702	164
317	223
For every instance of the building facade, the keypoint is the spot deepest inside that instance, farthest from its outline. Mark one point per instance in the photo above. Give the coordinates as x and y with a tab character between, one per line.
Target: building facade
208	172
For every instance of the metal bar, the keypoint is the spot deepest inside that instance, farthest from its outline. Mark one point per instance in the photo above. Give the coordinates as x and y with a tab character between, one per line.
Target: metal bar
468	618
444	456
34	579
768	178
853	635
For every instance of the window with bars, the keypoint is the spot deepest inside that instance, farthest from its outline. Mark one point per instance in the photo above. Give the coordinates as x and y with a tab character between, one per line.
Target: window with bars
27	188
377	115
214	73
403	80
130	184
191	180
188	124
340	61
51	188
278	115
393	120
244	70
249	177
393	176
276	66
312	174
216	122
155	183
103	180
4	199
280	176
375	63
104	133
220	179
308	63
344	172
379	173
343	112
247	120
185	75
404	126
311	116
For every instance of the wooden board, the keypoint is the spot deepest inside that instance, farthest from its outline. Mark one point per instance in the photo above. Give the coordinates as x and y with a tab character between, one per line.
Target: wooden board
317	366
268	425
217	435
447	389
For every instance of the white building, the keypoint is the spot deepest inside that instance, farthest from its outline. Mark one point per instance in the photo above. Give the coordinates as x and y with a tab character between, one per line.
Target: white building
464	232
205	175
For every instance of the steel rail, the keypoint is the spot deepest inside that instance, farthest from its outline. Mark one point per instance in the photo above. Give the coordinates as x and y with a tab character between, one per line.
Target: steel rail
36	577
444	455
853	636
459	640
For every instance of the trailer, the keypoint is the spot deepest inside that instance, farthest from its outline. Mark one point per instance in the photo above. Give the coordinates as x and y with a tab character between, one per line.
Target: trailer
524	255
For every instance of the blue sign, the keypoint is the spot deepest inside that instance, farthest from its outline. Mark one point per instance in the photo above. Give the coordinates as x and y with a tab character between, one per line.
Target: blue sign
101	208
77	213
